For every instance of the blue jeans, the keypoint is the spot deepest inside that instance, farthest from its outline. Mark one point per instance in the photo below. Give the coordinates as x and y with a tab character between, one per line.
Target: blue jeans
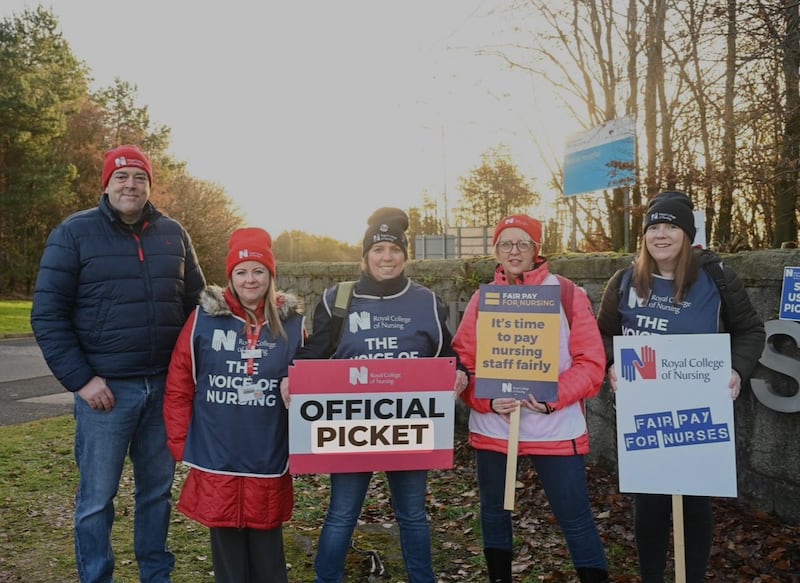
408	490
564	481
103	439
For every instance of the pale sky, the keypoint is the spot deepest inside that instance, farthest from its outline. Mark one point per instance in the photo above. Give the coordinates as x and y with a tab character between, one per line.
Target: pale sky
312	114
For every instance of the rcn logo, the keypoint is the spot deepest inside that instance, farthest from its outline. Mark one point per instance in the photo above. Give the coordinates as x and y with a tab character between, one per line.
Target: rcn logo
644	364
359	375
634	301
245	253
223	340
359	321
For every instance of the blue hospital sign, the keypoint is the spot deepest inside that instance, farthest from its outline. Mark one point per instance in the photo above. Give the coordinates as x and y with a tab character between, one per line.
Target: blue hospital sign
602	157
790	294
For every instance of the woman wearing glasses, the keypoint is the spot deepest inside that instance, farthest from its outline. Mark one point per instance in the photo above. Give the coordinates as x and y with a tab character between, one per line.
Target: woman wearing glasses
552	435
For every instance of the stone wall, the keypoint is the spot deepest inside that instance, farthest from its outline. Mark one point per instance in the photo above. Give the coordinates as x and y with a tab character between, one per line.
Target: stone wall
768	456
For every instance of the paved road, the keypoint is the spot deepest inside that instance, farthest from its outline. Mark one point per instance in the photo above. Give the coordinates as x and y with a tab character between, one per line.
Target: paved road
27	389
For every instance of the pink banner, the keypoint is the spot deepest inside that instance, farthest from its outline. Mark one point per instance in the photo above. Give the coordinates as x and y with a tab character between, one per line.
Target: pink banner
371	415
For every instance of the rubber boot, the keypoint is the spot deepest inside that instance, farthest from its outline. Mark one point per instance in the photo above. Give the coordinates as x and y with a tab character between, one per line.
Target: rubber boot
498	562
592	575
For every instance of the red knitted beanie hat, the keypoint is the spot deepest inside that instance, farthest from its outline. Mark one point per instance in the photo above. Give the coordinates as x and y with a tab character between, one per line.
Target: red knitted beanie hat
122	157
250	244
528	224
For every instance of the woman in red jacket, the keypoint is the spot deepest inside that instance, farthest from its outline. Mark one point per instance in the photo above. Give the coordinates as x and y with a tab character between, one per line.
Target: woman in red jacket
225	418
553	435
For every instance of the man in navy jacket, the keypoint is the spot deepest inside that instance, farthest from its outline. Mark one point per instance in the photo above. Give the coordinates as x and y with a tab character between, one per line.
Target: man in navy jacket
115	285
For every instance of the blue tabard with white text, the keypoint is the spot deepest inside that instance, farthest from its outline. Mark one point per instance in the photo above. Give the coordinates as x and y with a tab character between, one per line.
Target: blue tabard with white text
408	326
697	313
239	423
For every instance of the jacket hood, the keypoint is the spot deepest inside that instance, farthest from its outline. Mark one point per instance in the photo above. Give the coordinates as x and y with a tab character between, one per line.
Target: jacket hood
533	276
706	257
213	302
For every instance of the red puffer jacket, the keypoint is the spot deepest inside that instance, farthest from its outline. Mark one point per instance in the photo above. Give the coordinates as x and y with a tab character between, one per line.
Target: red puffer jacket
582	380
218	500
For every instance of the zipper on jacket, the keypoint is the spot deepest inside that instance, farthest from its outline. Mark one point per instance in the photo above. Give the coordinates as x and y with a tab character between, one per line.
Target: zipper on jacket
138	240
137	236
240	518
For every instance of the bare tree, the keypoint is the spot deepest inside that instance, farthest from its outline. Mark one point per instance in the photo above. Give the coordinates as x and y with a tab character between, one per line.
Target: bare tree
728	185
786	184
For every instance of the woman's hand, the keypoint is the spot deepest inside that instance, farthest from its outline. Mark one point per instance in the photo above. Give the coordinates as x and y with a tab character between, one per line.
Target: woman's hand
735	384
612	378
537	406
504	406
461	383
287	398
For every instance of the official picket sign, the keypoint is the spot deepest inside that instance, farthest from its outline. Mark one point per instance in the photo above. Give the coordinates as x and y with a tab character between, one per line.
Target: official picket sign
371	415
675	426
790	294
518	341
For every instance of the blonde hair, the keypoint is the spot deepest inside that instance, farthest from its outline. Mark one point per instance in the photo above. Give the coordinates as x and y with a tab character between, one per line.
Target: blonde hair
685	271
271	316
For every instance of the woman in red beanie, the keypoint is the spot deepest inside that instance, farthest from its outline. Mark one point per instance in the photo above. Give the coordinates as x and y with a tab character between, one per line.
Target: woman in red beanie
552	435
225	418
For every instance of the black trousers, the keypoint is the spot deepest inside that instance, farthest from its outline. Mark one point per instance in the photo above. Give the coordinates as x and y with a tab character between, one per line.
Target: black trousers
652	527
246	555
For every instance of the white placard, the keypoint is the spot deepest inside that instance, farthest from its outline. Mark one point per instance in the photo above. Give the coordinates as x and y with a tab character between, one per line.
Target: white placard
675	426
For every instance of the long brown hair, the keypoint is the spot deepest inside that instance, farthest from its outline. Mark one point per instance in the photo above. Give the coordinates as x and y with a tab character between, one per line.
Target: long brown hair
270	314
685	271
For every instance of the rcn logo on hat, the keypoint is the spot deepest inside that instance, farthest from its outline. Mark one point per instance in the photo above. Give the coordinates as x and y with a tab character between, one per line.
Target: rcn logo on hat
662	216
244	254
122	161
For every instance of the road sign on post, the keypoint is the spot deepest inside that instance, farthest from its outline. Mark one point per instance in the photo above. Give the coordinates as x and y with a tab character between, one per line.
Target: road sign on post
602	157
599	158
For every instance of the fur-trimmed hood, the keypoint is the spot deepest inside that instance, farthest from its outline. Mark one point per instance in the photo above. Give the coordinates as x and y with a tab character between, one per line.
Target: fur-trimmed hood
212	301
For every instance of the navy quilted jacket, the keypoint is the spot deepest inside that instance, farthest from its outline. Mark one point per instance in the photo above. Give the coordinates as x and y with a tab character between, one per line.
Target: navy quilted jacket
110	299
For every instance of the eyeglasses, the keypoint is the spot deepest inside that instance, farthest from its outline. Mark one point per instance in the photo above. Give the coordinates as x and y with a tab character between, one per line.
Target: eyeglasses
522	246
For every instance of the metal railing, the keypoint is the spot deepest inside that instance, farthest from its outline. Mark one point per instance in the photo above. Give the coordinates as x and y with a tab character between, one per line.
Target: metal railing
458	242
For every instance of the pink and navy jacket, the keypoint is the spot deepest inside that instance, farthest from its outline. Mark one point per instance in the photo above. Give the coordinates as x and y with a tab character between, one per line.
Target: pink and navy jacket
581	373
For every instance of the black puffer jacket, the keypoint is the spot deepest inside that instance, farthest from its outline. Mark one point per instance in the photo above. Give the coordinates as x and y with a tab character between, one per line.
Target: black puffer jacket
110	299
738	317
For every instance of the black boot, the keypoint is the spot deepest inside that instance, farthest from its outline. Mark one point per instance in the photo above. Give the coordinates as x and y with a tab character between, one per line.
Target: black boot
592	575
499	563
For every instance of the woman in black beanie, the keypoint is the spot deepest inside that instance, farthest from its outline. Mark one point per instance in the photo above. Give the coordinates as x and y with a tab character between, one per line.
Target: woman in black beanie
708	297
382	291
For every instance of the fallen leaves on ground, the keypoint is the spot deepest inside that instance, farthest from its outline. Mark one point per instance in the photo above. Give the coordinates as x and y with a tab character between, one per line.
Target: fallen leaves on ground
748	545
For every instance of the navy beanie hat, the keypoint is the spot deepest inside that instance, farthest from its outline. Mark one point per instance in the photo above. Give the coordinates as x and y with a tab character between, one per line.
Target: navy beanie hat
387	224
673	207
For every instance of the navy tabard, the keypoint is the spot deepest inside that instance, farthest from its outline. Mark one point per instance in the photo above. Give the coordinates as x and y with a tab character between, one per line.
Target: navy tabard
239	423
405	325
697	313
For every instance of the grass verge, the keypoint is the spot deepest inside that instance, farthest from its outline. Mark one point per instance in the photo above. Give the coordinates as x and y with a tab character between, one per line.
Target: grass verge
38	480
37	487
15	317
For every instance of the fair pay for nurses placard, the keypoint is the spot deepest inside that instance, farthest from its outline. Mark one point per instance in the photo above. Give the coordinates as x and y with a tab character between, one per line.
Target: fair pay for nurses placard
675	426
518	333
